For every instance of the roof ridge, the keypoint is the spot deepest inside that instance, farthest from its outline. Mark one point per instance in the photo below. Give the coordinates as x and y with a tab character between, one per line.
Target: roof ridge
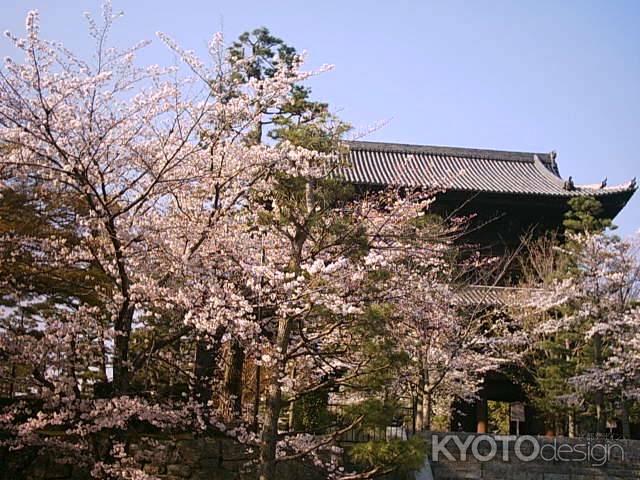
504	155
372	163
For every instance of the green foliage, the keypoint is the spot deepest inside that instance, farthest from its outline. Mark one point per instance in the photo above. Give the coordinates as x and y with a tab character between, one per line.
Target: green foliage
301	121
331	221
400	456
498	417
375	412
385	360
311	413
27	218
585	215
556	358
34	286
268	53
552	366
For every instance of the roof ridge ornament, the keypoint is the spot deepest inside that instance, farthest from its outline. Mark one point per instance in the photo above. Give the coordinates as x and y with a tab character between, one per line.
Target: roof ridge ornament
568	184
441	150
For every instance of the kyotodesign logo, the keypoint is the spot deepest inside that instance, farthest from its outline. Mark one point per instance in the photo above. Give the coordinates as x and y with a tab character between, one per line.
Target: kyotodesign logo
526	448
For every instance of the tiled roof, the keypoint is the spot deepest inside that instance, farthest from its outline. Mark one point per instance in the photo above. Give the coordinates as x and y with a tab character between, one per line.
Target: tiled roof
496	296
464	169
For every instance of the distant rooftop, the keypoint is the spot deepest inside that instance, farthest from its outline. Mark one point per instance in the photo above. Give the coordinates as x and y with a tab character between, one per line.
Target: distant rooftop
465	169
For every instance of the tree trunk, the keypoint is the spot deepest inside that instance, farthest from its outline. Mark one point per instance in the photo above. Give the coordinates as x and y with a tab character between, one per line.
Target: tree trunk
572	424
414	414
13	379
626	426
103	358
273	407
232	386
558	425
256	399
122	324
426	396
427	405
423	407
419	409
121	349
482	413
293	421
207	354
571	418
601	418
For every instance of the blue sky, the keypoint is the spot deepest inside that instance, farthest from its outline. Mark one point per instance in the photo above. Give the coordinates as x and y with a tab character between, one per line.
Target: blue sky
532	76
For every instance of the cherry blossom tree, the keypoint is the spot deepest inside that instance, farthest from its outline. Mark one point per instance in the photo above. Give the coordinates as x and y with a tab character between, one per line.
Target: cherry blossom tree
449	344
606	287
156	168
184	234
319	250
592	306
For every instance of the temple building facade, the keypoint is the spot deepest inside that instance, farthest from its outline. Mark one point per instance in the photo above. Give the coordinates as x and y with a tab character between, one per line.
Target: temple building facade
509	195
511	192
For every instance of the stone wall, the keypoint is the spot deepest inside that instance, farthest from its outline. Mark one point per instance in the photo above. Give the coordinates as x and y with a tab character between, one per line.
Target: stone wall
179	458
185	457
563	458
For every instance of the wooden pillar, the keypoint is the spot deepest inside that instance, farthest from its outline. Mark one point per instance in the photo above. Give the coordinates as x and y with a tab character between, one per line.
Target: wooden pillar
482	413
